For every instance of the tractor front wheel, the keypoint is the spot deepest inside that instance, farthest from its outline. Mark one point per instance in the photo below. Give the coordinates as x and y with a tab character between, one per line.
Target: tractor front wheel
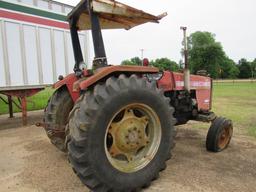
121	134
219	134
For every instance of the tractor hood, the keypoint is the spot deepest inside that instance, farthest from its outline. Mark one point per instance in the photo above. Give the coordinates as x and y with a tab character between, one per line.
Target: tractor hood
112	15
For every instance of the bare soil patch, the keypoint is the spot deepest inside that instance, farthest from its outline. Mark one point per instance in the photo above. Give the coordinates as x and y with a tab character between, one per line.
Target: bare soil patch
29	163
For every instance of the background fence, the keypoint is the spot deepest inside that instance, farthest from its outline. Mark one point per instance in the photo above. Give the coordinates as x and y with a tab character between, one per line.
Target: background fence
39	101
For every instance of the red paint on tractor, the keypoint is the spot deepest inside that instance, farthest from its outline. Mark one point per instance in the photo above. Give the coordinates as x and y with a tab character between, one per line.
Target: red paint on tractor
167	81
203	99
196	82
105	71
69	81
172	81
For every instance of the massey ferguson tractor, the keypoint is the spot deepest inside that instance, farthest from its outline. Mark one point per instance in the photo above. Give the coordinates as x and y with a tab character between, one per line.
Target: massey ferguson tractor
117	123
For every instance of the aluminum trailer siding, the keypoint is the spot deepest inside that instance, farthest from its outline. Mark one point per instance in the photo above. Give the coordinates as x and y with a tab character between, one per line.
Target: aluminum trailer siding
35	48
35	43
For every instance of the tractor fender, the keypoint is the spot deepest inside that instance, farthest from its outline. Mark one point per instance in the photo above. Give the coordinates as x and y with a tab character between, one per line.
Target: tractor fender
68	82
75	84
101	73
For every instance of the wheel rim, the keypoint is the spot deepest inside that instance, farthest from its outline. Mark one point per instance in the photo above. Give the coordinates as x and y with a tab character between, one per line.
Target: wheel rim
225	136
133	137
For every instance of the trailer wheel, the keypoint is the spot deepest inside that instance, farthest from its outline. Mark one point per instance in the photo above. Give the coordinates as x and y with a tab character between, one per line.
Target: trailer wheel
56	117
219	135
122	133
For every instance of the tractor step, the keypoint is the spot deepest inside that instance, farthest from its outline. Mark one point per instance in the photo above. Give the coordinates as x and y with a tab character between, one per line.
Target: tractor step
206	117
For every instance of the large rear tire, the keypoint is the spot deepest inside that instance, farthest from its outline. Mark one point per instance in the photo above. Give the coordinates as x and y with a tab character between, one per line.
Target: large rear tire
122	133
56	117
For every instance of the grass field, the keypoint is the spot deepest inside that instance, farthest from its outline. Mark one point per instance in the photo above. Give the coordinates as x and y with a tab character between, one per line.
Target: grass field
236	101
35	102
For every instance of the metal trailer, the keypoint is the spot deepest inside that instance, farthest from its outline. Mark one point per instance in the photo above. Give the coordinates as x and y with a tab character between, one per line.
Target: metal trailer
35	47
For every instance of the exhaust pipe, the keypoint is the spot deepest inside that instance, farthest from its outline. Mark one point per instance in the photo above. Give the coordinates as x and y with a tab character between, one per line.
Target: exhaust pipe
186	72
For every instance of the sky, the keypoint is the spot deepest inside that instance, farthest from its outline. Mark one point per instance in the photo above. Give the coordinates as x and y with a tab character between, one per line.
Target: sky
232	21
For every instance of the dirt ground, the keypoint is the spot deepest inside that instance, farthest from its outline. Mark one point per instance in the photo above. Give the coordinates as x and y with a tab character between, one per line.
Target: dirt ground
29	163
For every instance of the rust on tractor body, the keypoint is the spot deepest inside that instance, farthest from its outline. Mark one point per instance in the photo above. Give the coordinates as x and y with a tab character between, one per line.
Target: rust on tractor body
114	15
104	72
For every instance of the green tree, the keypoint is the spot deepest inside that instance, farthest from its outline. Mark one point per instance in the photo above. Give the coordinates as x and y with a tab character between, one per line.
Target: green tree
127	62
165	64
132	61
253	68
207	54
229	69
245	69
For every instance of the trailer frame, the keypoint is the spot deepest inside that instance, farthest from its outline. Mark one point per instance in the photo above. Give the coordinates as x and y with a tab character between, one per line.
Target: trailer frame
21	94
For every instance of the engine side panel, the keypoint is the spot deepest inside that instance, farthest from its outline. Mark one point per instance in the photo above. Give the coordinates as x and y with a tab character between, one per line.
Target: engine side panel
167	81
203	98
172	81
203	87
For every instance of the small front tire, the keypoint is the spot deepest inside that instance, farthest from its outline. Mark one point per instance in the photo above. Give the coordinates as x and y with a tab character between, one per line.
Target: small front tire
219	134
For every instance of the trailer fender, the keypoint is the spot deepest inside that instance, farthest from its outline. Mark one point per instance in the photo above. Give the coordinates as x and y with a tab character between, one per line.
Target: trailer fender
101	73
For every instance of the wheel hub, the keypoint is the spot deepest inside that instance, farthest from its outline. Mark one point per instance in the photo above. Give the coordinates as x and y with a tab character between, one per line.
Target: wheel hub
133	137
129	135
225	137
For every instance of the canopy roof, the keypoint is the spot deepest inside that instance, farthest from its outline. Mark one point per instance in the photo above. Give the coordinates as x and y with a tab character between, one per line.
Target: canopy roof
112	15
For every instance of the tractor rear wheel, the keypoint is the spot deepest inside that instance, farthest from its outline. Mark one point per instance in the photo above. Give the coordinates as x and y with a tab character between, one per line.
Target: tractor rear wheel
219	134
56	117
122	133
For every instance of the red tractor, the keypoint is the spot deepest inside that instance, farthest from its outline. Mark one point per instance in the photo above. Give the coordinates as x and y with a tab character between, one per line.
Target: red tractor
117	122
